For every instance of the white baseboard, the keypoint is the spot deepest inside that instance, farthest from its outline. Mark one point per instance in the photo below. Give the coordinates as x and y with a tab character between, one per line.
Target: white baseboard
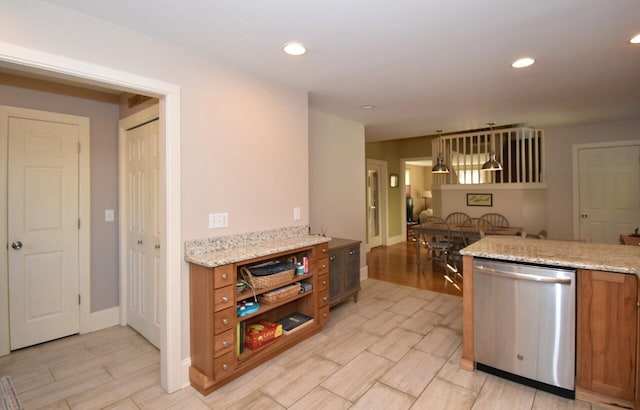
394	240
184	382
104	318
364	272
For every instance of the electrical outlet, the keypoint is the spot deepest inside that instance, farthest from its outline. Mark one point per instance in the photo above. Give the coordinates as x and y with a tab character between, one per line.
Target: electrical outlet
220	220
108	215
296	214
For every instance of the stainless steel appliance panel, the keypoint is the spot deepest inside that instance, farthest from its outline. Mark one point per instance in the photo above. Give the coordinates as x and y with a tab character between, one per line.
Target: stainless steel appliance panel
524	320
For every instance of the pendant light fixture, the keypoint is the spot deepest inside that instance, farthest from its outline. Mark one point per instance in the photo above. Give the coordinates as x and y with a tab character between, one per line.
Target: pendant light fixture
492	164
440	167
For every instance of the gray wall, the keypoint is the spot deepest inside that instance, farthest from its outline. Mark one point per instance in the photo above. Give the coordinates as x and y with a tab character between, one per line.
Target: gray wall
103	111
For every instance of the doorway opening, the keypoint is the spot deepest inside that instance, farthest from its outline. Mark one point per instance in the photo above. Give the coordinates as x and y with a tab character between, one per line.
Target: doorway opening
173	373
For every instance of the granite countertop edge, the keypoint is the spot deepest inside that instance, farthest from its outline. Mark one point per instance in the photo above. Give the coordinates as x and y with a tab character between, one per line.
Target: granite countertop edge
221	257
571	254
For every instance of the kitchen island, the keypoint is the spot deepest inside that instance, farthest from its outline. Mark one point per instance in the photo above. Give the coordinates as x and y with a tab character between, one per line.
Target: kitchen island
608	323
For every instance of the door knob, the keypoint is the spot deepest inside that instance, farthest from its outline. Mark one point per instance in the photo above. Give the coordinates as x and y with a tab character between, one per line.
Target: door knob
584	215
17	245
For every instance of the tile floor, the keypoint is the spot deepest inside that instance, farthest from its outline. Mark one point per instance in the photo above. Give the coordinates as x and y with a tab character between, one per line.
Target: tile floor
397	348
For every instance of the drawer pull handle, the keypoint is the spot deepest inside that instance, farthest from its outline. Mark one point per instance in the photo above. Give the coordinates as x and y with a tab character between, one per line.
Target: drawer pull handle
225	321
225	366
324	282
225	343
324	250
324	298
225	299
225	276
324	266
324	315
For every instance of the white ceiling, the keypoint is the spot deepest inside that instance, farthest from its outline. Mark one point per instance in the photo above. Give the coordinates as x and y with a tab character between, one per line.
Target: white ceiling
424	64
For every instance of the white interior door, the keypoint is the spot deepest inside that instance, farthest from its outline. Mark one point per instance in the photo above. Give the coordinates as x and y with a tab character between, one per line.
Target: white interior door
42	232
609	192
143	232
374	220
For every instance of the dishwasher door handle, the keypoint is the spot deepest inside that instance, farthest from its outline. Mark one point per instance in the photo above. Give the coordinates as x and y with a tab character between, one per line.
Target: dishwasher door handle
522	276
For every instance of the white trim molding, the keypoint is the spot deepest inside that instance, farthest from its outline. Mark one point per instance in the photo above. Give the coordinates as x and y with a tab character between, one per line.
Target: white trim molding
105	318
172	373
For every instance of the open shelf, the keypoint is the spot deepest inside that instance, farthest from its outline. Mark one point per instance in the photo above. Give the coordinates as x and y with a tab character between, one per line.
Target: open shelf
248	293
265	307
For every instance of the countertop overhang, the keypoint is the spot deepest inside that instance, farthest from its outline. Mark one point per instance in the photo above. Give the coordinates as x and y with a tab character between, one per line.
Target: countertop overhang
223	250
580	255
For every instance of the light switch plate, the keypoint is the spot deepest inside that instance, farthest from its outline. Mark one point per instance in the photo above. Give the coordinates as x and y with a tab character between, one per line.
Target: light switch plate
296	214
220	220
108	215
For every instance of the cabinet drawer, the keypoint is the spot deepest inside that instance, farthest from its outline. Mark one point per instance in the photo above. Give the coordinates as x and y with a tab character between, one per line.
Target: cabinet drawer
323	315
323	298
224	320
323	250
224	366
322	265
223	276
223	298
223	343
323	282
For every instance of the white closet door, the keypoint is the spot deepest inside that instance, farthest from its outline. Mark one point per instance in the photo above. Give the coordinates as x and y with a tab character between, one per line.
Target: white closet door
42	230
143	243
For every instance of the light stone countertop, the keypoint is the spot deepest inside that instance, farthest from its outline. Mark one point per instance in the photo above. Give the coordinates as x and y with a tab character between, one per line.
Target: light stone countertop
581	255
230	249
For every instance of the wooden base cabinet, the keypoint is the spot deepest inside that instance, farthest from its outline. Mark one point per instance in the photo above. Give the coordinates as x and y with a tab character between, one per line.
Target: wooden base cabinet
344	265
607	338
215	327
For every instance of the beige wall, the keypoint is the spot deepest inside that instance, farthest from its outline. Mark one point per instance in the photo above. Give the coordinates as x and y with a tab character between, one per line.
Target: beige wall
102	110
337	178
522	207
244	140
558	150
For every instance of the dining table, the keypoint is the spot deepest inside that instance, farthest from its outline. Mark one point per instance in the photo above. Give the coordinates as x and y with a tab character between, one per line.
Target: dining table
461	232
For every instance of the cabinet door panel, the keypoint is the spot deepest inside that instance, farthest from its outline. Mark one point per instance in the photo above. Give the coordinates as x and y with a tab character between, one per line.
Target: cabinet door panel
352	268
606	339
335	267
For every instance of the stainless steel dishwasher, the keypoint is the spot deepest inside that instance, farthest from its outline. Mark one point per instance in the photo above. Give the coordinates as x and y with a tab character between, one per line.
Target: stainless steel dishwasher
524	323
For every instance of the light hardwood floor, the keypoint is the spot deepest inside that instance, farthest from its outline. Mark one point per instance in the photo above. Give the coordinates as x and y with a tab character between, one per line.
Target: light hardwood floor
397	348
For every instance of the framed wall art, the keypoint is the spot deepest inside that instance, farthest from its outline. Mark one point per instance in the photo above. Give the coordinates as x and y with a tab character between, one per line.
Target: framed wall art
479	199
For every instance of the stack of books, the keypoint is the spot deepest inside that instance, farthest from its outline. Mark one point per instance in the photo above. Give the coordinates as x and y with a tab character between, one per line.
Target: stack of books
294	322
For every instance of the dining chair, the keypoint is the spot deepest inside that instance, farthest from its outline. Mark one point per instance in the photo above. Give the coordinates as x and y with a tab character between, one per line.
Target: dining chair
435	236
456	218
497	220
482	226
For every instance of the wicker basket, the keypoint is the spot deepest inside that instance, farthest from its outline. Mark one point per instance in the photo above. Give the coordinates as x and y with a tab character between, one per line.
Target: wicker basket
259	282
278	295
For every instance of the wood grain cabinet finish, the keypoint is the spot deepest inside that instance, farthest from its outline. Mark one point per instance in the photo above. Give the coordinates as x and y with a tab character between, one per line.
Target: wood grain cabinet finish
607	334
344	267
215	326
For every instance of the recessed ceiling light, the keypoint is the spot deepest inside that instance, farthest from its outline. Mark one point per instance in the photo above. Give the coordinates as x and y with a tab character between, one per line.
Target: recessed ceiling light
523	62
635	39
294	49
367	107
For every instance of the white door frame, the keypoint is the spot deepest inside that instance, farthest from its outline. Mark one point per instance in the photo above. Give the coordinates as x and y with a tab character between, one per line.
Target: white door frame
576	177
173	374
125	124
84	213
384	222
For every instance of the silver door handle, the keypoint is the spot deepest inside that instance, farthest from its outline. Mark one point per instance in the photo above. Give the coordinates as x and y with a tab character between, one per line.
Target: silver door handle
17	245
522	276
584	215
